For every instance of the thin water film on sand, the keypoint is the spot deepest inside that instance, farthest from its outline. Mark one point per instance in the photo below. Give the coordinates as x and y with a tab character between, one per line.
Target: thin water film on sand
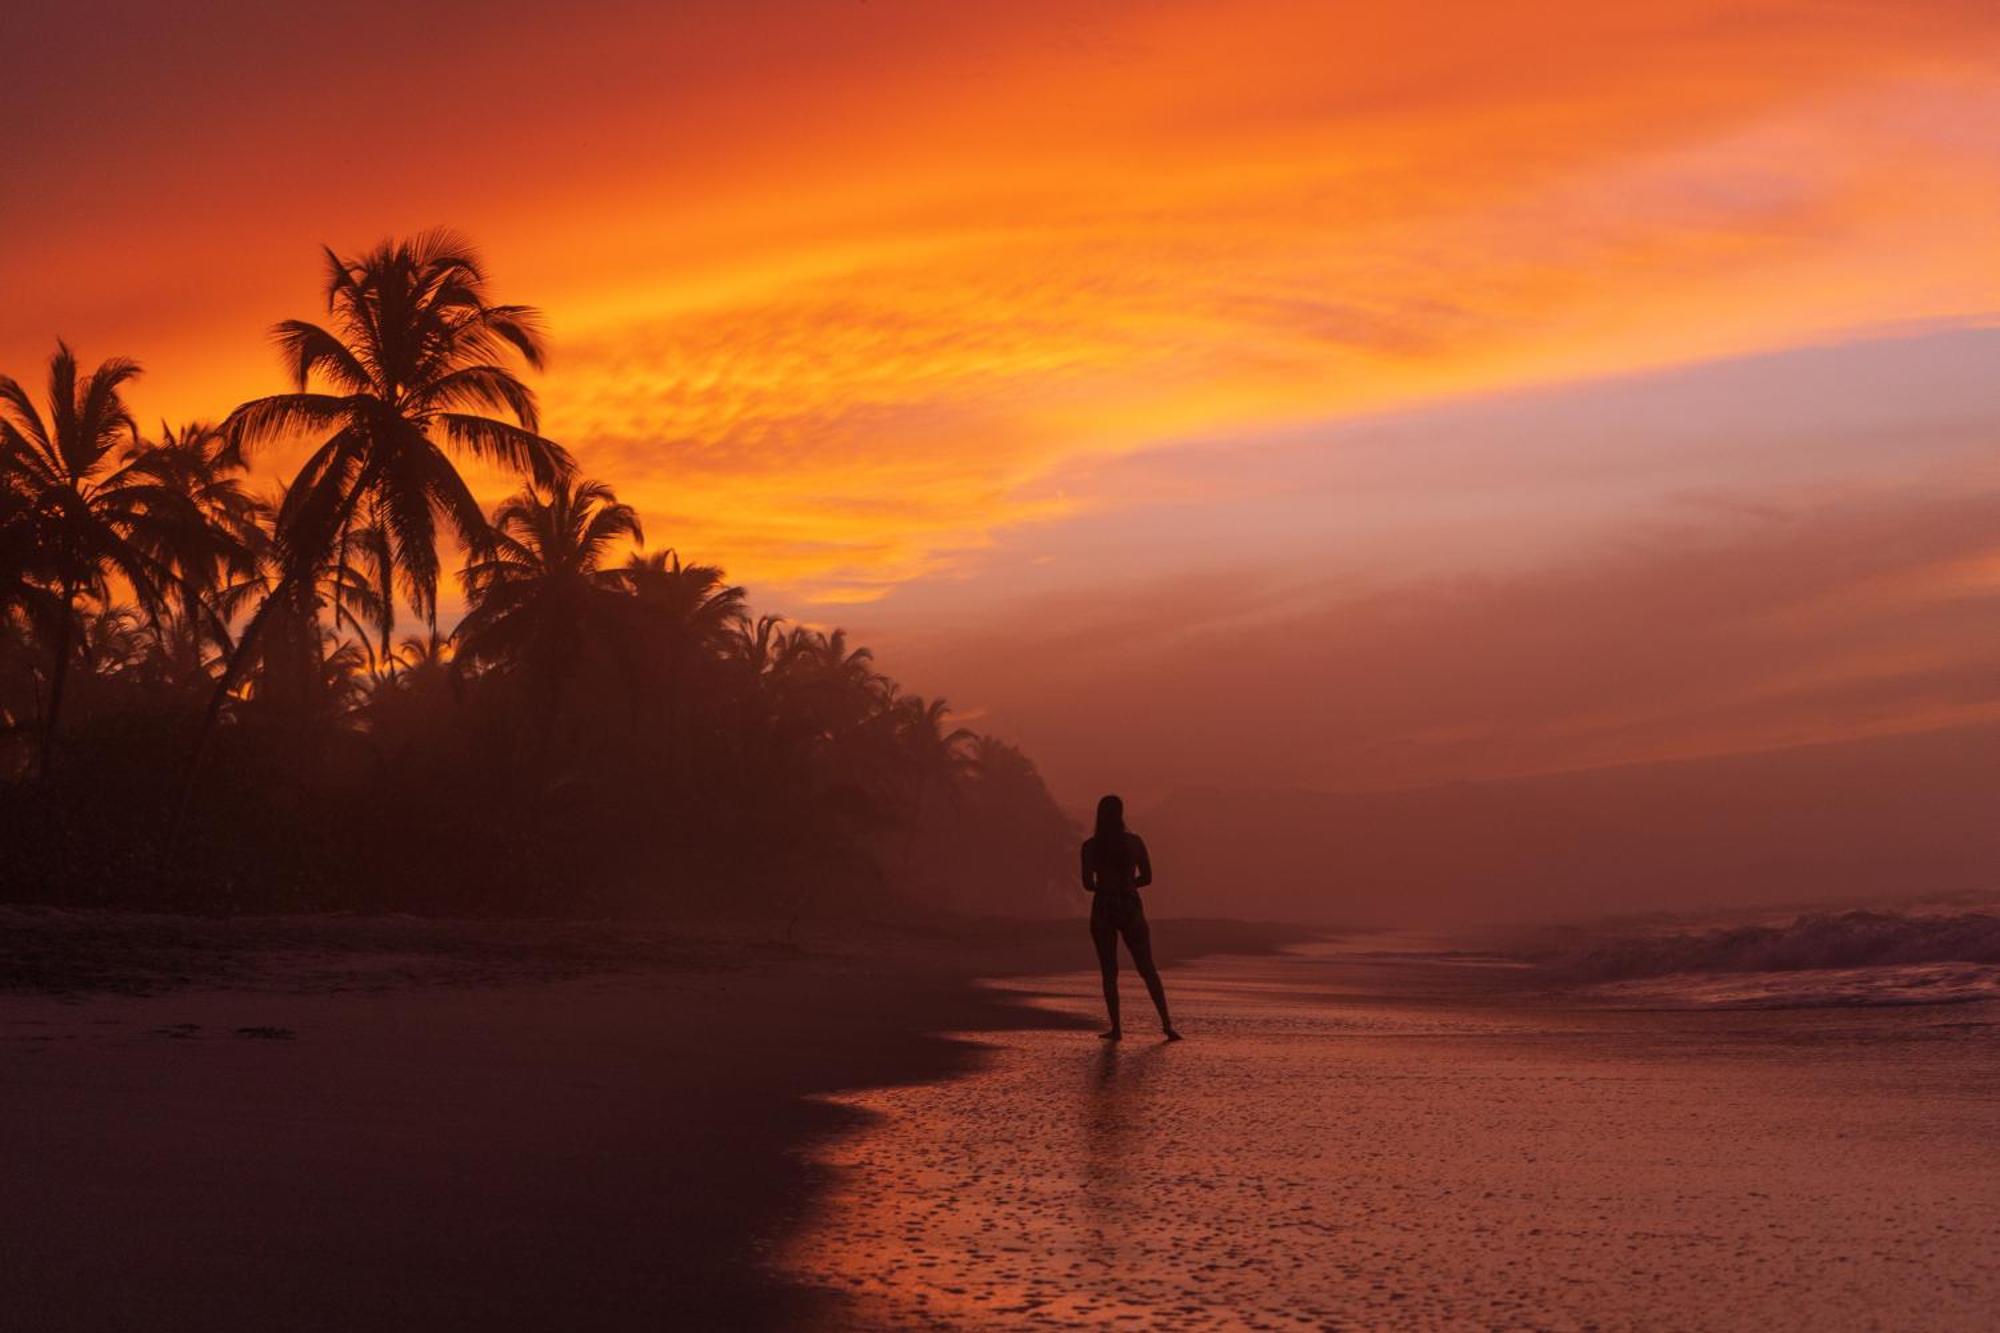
1407	1141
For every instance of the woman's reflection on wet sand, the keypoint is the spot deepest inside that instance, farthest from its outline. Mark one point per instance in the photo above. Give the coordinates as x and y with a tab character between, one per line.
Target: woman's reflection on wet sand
1118	1095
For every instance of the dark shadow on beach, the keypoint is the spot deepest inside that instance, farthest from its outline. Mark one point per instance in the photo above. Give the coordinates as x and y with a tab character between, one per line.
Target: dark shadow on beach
472	1126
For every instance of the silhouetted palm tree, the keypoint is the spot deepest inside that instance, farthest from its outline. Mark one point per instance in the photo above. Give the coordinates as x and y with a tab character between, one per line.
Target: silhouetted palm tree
934	753
420	655
705	752
416	367
826	653
114	640
21	555
539	589
829	687
199	472
338	612
690	604
28	612
542	605
930	759
95	518
758	644
347	597
312	679
685	618
1015	843
217	535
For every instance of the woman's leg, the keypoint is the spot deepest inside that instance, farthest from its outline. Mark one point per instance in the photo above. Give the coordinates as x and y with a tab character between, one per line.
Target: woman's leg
1105	936
1139	939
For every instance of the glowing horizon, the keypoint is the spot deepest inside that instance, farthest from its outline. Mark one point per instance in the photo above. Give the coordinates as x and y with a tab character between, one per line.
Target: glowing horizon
869	303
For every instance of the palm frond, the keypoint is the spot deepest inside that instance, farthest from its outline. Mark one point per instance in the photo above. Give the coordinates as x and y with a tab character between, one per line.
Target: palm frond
25	416
284	415
308	349
510	446
479	386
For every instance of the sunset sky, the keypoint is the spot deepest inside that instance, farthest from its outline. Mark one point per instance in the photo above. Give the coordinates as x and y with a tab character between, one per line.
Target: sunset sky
1246	393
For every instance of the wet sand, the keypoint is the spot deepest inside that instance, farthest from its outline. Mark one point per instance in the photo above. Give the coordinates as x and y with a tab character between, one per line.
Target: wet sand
393	1124
1357	1139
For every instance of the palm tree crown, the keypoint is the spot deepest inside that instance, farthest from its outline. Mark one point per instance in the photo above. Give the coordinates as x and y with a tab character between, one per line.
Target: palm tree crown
99	502
688	606
413	369
219	531
534	588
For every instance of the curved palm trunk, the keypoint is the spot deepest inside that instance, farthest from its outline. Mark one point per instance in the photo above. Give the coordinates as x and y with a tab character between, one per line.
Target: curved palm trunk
58	681
232	671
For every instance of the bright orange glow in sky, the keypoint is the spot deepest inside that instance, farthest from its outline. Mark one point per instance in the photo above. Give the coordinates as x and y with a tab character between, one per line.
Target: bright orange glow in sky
964	322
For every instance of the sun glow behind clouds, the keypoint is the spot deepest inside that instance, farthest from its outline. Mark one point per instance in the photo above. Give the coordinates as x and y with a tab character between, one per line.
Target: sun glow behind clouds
1249	225
838	288
905	304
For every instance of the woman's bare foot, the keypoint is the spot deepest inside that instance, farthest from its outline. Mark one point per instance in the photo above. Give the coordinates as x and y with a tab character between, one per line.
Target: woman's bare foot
1172	1033
1111	1034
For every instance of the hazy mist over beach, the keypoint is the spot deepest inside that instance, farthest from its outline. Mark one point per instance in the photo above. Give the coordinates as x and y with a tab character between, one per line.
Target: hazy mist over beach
861	665
1881	821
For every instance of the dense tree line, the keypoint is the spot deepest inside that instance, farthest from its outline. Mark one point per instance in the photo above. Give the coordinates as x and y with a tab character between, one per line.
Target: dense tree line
212	697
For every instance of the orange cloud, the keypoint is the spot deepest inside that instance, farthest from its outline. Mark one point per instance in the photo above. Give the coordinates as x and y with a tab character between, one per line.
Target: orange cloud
1266	219
840	291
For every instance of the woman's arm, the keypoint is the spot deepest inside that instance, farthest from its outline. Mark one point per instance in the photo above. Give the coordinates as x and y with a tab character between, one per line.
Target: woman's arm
1089	871
1145	862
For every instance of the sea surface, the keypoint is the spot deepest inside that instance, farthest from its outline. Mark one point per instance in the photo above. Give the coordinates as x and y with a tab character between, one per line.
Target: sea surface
1376	1133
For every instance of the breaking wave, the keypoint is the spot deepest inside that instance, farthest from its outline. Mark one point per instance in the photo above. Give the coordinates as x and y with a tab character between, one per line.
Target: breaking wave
1828	940
1822	959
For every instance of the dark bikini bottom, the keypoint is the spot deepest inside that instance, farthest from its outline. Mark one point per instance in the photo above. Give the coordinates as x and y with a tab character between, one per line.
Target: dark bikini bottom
1121	912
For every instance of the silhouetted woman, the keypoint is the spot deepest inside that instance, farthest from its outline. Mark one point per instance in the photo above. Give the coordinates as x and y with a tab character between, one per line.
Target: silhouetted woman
1115	868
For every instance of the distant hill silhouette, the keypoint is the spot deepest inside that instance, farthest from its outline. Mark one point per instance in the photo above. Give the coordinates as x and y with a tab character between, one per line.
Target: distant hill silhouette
1876	819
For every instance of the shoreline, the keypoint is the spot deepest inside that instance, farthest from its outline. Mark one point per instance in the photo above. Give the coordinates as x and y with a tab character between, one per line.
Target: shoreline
398	1123
1358	1138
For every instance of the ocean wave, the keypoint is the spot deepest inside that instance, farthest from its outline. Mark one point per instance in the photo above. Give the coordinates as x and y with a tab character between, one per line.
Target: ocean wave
1832	941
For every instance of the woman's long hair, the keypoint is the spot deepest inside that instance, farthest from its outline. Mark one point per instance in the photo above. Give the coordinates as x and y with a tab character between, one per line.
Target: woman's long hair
1108	844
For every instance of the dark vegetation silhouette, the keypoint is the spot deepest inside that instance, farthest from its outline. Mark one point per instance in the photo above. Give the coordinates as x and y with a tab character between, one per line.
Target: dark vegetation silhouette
205	702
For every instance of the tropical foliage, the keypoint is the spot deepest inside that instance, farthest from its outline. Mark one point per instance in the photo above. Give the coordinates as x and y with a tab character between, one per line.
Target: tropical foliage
607	726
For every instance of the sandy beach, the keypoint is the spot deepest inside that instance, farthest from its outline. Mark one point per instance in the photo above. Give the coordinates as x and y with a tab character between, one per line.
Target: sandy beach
389	1123
1362	1134
339	1123
611	616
